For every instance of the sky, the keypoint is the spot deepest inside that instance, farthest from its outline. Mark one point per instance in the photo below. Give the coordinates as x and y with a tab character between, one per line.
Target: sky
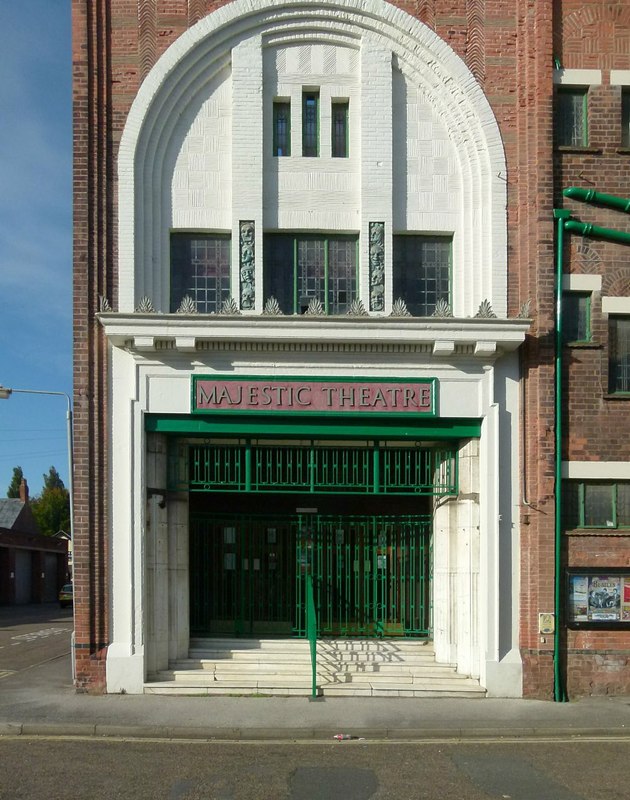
35	236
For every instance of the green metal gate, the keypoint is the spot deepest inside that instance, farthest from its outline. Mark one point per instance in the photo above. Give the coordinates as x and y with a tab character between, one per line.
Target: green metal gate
370	574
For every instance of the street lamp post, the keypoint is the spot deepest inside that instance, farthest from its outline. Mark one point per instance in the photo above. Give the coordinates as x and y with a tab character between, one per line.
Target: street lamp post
5	394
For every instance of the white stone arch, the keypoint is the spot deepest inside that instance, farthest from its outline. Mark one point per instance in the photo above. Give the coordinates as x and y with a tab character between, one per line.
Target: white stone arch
205	49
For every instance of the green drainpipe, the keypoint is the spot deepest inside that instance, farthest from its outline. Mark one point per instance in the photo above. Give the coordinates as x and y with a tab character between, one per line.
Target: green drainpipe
559	692
598	198
564	223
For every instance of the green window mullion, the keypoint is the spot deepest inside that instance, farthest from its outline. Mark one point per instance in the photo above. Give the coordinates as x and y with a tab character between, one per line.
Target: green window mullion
248	467
295	276
376	469
613	489
581	505
326	276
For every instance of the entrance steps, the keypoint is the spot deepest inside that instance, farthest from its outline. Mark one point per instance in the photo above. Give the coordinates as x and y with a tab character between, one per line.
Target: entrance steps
345	667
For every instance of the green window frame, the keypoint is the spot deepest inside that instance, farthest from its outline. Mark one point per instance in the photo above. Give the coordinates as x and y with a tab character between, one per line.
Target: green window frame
200	269
339	134
310	123
625	117
282	128
422	267
571	117
596	504
576	317
300	268
619	355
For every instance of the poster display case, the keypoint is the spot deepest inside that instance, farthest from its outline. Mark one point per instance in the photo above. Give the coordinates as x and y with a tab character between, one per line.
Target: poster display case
598	597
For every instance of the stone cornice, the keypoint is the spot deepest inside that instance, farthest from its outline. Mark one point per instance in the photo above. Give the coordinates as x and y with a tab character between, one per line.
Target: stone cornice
482	338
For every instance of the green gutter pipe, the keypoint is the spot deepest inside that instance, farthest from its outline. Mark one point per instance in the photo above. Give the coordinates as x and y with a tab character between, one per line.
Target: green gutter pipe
586	229
564	223
598	198
559	691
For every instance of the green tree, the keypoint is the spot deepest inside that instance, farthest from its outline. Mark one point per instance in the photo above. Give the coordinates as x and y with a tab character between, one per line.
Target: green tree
51	508
53	480
16	480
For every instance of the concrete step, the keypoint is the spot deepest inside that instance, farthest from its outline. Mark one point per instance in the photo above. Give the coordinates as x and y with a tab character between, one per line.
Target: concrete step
345	667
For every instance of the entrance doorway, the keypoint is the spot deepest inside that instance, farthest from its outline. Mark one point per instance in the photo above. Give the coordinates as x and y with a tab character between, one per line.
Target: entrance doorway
370	573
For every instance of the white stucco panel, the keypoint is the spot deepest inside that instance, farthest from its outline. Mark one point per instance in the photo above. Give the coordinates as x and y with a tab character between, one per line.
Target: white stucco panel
198	196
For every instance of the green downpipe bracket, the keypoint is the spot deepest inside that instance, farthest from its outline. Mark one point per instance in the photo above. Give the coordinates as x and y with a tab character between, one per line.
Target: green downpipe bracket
565	223
311	631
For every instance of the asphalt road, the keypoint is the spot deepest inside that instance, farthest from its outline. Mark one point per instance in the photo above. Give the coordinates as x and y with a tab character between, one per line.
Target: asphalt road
32	635
110	769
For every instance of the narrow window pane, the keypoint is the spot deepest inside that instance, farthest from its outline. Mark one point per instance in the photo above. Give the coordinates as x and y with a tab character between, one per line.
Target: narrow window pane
625	118
340	129
598	505
200	268
623	505
570	118
342	273
619	354
422	272
311	272
278	270
571	505
575	317
282	129
310	124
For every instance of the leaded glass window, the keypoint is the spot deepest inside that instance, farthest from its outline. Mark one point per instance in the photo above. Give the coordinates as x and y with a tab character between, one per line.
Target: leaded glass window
339	132
576	309
200	268
300	268
422	272
282	128
310	123
570	118
619	354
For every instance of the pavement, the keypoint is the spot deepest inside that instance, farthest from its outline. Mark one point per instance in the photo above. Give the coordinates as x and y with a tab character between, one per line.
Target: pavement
41	701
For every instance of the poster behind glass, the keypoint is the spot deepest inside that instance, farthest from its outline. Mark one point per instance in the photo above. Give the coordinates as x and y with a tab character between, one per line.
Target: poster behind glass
602	597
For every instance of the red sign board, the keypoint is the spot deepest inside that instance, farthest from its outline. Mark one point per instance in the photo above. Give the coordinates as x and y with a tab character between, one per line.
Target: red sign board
221	393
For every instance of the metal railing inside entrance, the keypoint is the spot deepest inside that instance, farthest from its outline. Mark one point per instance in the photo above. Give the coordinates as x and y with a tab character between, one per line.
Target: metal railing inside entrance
374	469
370	574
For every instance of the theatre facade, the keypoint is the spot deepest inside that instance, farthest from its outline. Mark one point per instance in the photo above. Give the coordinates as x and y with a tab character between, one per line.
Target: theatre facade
302	361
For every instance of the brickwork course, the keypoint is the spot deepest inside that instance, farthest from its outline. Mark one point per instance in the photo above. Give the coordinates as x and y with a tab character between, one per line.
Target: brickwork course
510	47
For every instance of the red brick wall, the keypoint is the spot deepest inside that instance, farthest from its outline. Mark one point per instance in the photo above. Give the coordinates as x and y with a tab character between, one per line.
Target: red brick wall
595	35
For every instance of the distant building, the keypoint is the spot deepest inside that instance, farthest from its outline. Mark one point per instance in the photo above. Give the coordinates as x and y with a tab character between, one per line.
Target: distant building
315	333
33	567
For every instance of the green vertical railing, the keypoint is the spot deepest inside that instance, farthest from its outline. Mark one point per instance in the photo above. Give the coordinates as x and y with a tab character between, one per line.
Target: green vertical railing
311	630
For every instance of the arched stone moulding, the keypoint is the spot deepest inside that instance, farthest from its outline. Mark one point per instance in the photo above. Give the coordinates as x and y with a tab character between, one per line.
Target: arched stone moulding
204	52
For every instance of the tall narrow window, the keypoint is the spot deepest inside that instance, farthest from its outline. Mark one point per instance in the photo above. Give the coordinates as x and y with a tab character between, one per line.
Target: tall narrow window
422	272
571	118
576	317
200	268
339	134
282	128
619	354
625	118
310	123
302	268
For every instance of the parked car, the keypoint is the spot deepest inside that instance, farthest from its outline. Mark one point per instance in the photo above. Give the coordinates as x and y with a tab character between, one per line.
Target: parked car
65	595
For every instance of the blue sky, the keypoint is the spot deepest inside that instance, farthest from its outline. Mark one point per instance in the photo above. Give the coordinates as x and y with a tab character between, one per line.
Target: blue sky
35	235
